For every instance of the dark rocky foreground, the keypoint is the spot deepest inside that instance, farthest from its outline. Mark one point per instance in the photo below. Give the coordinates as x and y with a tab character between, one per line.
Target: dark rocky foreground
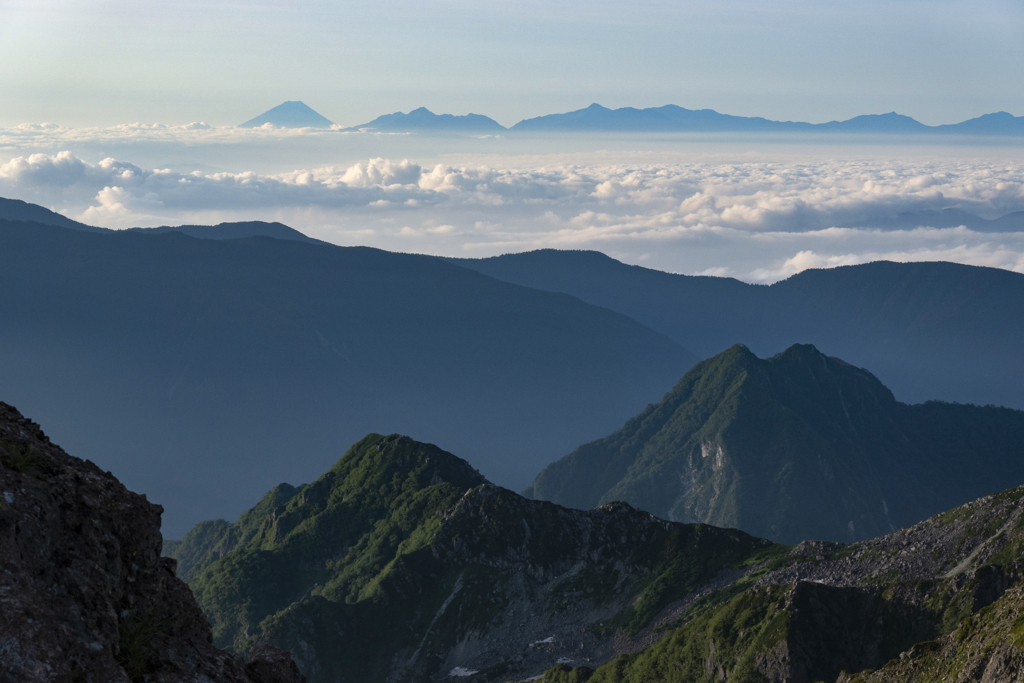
84	594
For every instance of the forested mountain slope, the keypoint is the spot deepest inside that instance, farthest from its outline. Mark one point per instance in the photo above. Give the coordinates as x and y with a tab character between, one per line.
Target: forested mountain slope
403	564
797	446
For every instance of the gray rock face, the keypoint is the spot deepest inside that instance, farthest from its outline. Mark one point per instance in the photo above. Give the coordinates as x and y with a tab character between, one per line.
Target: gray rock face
84	594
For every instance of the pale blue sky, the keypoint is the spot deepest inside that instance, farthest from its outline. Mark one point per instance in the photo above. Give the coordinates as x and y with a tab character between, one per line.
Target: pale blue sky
109	62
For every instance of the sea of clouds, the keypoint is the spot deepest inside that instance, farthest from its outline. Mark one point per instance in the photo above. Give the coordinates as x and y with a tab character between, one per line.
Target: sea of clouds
759	220
196	132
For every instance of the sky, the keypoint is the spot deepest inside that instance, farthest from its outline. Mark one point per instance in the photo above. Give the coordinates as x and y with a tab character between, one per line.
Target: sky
122	114
108	62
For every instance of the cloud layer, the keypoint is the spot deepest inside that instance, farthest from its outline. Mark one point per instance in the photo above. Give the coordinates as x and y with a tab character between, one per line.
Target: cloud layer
43	135
759	221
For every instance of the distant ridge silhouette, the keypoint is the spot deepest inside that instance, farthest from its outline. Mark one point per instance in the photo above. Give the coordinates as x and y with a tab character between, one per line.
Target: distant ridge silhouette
289	115
426	120
928	330
232	231
17	210
665	119
999	123
672	118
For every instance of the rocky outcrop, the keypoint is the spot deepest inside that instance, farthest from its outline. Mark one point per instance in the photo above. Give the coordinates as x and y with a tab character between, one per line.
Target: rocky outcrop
941	600
84	595
986	647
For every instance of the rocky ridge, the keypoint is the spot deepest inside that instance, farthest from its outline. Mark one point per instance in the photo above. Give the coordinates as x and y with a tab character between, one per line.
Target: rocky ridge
987	647
84	595
937	601
447	576
403	564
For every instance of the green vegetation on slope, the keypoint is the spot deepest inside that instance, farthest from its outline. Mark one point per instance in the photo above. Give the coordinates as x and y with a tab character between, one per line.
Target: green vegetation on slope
797	446
939	601
402	562
986	646
338	533
213	539
734	635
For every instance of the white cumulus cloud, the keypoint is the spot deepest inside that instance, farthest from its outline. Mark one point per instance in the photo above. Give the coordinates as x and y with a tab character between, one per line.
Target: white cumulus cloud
760	221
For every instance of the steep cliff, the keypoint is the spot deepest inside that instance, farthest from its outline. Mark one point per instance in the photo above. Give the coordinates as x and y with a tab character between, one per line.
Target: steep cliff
84	595
939	601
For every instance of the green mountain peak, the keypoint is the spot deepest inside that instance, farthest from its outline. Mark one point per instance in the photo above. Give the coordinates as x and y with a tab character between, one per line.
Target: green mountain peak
402	563
800	445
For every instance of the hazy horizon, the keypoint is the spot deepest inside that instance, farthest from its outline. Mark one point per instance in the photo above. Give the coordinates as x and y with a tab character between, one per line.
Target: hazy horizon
754	206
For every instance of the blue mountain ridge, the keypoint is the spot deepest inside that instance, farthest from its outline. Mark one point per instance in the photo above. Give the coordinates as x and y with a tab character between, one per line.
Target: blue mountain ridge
426	120
17	210
665	119
244	337
672	118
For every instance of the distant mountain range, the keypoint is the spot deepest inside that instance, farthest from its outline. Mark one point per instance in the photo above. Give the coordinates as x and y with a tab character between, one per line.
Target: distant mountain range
672	118
794	447
666	119
927	330
947	218
269	342
273	350
423	119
